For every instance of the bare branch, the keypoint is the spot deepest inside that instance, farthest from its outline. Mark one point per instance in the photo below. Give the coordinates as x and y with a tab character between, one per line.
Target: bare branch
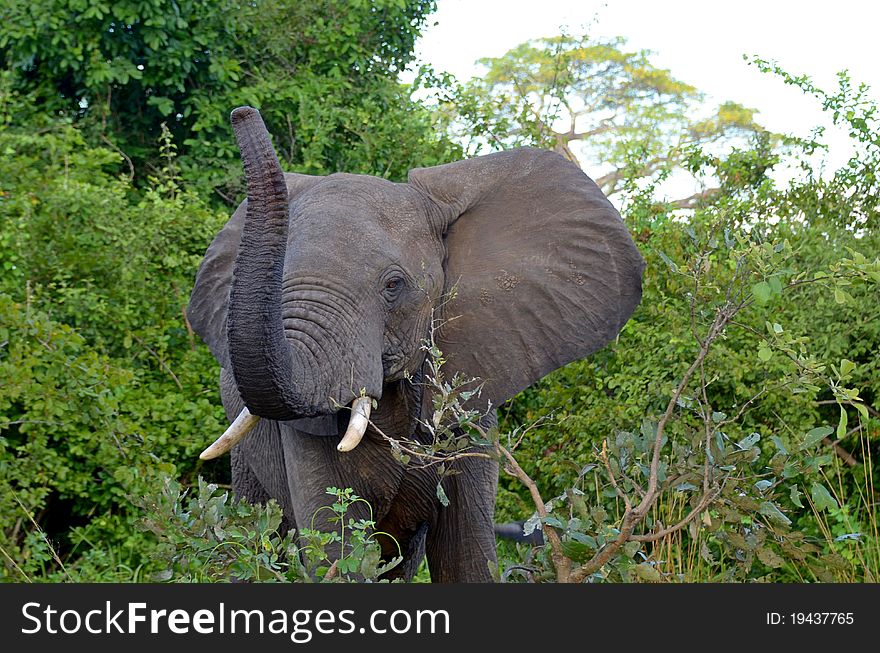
694	200
579	136
634	516
162	363
842	453
705	500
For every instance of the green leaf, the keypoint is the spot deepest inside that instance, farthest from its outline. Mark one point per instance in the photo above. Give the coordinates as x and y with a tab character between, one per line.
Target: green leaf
163	576
839	296
822	497
841	425
846	367
780	446
769	509
584	539
836	561
764	353
764	484
164	105
577	550
631	548
370	562
668	261
388	566
648	572
814	436
770	558
762	292
848	536
749	441
795	496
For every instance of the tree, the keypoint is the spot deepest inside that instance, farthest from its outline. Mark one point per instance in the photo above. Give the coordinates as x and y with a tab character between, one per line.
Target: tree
593	100
323	73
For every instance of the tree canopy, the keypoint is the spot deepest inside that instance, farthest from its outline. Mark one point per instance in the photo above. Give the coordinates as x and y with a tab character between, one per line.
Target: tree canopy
597	103
319	71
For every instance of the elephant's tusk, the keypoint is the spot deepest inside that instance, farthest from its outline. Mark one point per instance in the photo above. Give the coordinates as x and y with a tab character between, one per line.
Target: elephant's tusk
233	435
357	424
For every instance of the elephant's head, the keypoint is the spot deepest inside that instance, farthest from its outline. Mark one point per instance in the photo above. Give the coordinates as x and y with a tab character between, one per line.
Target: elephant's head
321	290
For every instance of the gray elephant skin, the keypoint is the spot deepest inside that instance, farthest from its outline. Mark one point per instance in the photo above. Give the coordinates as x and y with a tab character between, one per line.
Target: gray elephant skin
320	290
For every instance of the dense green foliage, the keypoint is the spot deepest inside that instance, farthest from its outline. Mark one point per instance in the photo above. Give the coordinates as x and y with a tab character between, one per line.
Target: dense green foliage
114	150
323	73
99	364
206	535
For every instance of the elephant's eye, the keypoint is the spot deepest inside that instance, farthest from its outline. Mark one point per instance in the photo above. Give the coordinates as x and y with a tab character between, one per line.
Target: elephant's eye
392	288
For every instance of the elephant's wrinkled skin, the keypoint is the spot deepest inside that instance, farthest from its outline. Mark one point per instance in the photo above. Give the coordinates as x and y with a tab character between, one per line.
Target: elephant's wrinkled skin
320	289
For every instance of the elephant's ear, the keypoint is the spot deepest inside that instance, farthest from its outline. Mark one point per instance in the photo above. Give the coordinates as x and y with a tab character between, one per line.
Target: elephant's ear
541	266
210	296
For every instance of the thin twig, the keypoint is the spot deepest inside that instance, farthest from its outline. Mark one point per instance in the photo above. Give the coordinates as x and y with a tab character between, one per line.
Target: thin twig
124	156
15	565
159	359
707	425
433	459
189	330
871	410
842	453
538	422
620	493
633	517
748	403
45	538
659	535
226	198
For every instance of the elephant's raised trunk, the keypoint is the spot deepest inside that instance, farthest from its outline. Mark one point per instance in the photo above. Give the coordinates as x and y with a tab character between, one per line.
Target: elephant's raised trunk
263	361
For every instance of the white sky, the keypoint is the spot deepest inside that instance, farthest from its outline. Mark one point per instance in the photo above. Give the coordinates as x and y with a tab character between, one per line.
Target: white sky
701	42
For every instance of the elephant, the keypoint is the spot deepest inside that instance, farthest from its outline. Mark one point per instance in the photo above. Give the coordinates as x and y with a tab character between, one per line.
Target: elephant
316	298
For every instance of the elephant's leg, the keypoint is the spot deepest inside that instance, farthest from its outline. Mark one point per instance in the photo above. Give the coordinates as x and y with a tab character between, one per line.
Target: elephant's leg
313	465
413	554
247	486
245	482
461	542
